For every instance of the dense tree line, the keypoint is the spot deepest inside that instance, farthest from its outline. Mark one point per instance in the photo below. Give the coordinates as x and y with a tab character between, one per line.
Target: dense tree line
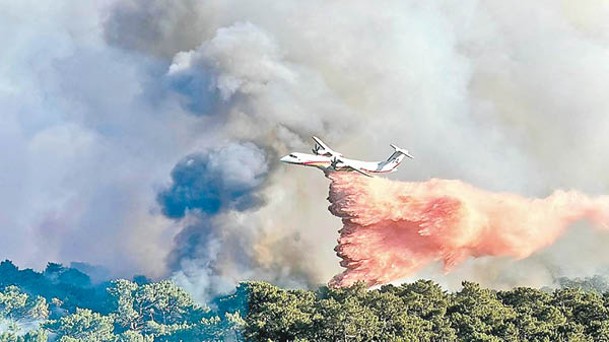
423	311
62	304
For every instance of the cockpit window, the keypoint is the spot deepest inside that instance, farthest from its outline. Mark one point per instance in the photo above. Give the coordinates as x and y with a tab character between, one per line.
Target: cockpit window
293	155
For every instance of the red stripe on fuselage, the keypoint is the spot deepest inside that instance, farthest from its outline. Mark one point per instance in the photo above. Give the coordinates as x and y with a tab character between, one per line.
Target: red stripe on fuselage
327	163
315	163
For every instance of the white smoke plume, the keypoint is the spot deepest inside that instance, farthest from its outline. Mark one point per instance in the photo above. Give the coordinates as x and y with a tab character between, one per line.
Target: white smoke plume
102	100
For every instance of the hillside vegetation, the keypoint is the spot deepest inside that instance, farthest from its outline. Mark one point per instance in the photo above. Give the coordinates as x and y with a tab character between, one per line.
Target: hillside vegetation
62	304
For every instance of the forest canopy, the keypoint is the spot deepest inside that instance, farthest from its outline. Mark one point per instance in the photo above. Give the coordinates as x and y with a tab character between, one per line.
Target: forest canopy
63	304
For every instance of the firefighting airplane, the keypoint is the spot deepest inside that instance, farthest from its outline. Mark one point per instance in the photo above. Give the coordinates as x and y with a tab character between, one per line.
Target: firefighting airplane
328	160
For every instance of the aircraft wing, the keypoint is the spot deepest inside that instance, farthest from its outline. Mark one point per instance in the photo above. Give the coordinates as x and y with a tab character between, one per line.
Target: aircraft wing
321	143
351	167
322	149
360	171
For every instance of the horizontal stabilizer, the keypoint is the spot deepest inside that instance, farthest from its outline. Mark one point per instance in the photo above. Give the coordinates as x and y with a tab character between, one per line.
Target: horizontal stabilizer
401	150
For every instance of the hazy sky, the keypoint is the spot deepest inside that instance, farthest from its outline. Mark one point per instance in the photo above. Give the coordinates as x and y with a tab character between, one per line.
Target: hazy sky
144	136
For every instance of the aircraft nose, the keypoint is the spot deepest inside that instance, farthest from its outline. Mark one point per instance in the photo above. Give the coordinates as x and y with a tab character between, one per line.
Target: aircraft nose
285	159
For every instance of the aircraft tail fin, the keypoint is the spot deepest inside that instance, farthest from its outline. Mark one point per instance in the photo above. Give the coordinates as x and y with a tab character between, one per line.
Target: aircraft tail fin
394	159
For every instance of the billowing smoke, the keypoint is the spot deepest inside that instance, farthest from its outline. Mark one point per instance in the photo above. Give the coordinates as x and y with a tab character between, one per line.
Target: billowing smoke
101	100
394	229
204	186
212	197
221	179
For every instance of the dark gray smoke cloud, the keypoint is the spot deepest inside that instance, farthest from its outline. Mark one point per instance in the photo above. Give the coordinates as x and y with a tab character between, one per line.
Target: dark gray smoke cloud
203	186
221	179
158	27
212	251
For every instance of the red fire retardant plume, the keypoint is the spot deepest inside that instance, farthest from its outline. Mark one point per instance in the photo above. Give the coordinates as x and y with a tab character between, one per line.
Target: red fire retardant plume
392	229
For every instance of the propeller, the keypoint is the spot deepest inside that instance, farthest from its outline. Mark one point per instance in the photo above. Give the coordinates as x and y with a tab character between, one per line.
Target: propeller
316	149
334	163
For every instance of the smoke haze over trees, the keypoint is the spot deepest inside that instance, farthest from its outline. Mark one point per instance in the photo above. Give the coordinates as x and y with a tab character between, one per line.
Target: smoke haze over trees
62	304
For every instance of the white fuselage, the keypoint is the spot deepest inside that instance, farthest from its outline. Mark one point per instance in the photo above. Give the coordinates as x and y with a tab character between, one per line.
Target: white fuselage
325	163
